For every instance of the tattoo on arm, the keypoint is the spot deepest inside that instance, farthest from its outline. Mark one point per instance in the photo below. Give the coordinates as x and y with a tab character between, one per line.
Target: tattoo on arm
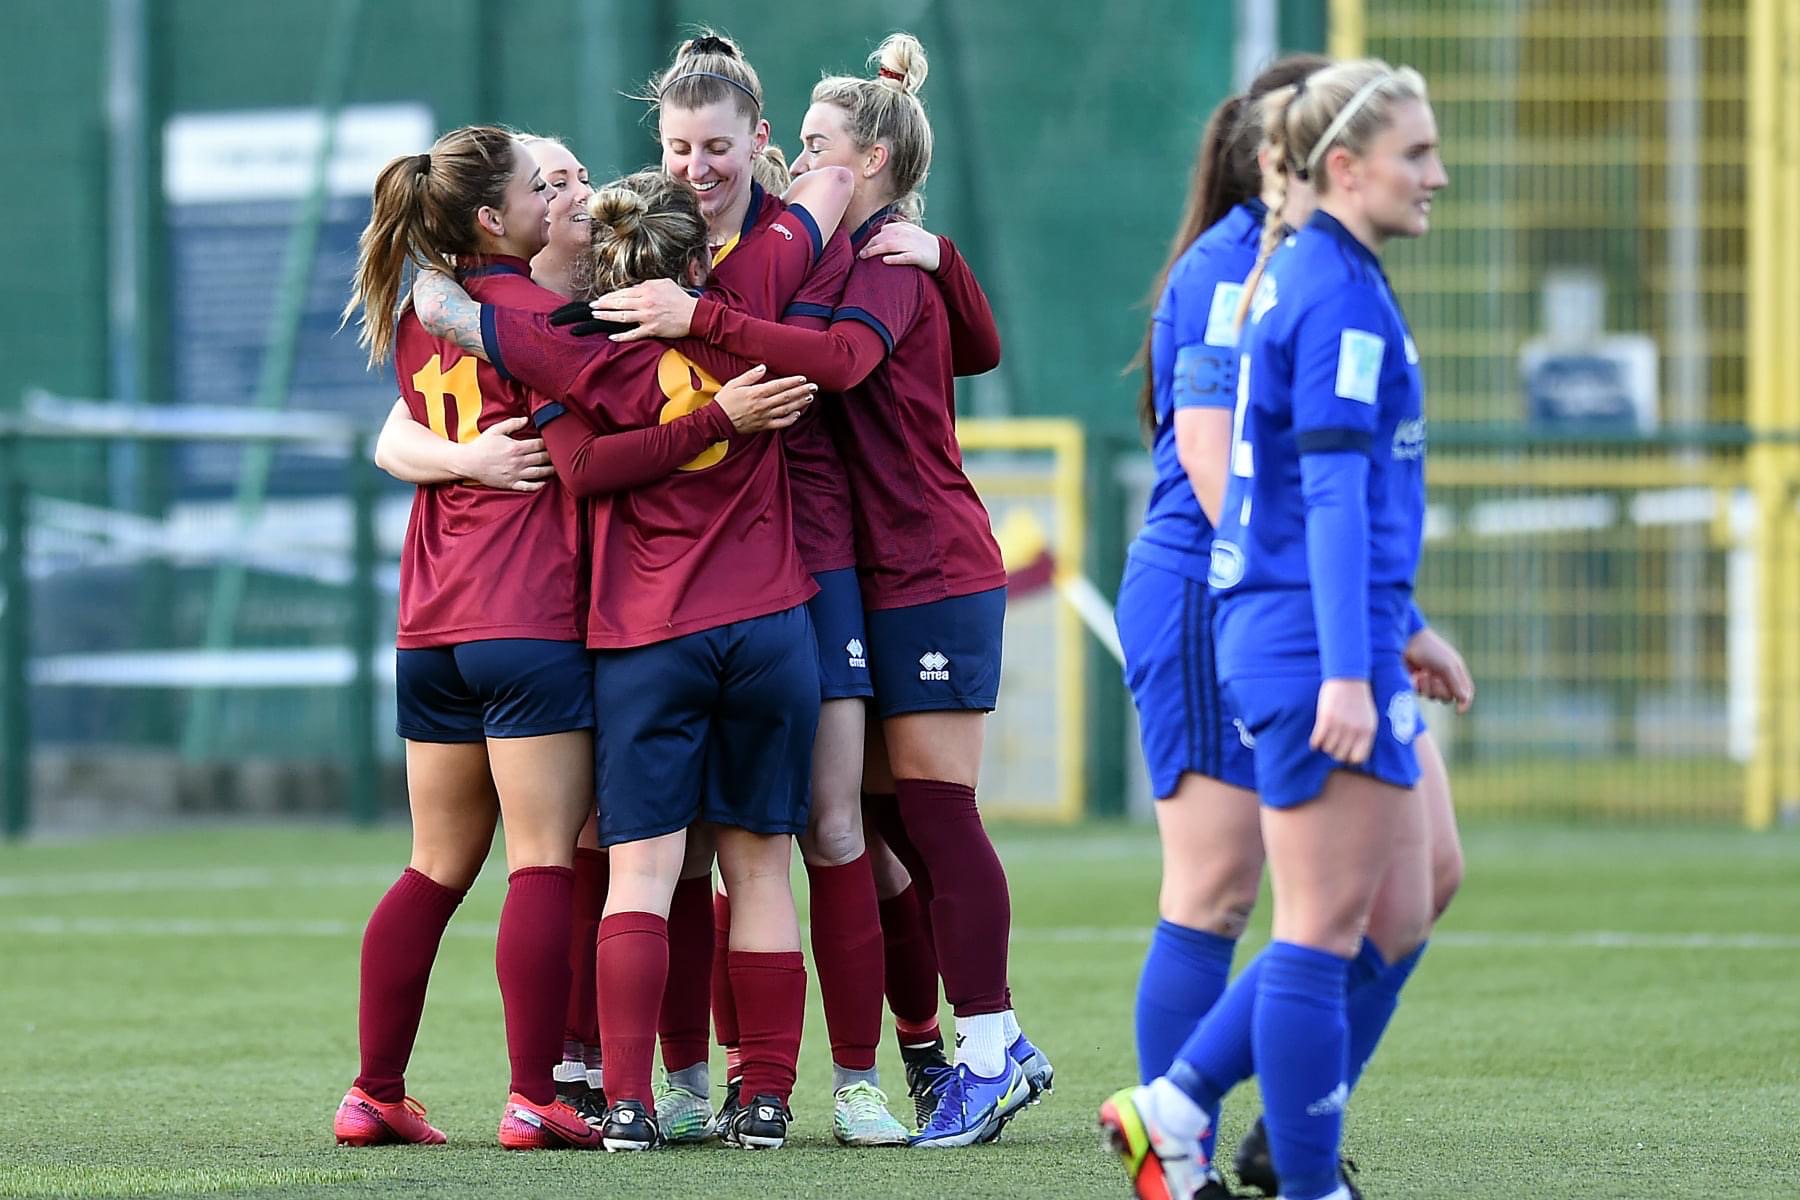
446	311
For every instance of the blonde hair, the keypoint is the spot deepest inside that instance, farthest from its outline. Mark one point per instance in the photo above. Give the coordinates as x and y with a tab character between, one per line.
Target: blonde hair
644	226
1346	105
424	214
707	68
887	109
770	169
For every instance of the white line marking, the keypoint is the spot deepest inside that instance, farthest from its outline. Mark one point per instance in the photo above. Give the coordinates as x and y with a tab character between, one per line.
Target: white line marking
187	879
215	927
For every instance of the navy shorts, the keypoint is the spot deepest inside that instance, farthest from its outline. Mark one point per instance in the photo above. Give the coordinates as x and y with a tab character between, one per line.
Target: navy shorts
837	617
1165	625
716	725
1273	683
938	657
506	688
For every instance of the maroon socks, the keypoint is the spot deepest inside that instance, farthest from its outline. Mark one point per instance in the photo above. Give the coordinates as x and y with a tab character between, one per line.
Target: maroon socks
531	959
581	1020
847	954
912	968
724	1004
687	998
399	946
633	959
971	911
771	1004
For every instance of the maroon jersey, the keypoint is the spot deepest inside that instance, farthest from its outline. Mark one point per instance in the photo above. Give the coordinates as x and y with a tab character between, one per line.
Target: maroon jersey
481	564
712	543
922	533
823	525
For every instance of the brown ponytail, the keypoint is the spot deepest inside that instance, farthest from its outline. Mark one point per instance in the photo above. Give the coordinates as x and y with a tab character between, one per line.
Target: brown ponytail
424	214
1224	176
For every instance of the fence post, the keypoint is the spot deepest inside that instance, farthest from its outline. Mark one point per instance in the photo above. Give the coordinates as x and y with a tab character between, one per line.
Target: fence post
15	643
365	603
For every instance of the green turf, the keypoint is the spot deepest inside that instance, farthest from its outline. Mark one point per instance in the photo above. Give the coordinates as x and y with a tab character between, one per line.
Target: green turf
177	1016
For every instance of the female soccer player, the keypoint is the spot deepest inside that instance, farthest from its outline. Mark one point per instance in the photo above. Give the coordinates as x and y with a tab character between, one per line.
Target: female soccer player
1314	562
492	678
703	100
410	451
698	619
930	572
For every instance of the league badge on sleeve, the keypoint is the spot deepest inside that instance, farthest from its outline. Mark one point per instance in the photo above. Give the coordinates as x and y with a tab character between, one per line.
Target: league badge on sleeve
1221	316
1359	365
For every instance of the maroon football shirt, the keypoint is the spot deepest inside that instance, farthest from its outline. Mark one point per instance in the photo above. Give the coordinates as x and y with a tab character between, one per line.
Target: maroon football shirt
714	542
922	533
478	563
823	525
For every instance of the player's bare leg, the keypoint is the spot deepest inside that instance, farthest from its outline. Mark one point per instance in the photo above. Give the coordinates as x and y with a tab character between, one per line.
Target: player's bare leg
632	963
935	758
683	1107
453	813
546	790
846	927
768	978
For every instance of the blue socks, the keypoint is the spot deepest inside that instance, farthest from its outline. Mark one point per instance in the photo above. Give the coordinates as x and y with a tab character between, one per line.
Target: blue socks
1374	994
1302	1054
1184	976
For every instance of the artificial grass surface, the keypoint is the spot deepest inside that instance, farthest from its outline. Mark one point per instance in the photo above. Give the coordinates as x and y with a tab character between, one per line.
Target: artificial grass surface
1606	1013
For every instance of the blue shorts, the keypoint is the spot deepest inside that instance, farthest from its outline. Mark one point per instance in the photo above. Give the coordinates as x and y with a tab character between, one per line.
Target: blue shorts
716	725
1165	624
837	617
1276	692
938	657
506	688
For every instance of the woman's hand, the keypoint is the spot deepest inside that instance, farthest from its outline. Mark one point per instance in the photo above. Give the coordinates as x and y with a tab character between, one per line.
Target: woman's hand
904	244
498	460
1345	725
660	308
754	407
1438	671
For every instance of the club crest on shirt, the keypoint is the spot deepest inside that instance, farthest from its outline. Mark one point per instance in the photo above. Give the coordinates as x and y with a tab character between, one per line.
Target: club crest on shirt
1403	716
1226	568
1263	300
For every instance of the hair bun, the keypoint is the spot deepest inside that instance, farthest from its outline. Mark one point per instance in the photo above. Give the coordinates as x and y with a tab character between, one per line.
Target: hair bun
708	43
619	209
900	62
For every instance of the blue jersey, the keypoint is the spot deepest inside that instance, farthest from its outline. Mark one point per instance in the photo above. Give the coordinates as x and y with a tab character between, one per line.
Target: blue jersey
1327	486
1193	364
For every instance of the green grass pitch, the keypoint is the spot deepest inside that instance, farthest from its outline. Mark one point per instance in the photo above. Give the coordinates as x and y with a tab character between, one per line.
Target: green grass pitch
1604	1014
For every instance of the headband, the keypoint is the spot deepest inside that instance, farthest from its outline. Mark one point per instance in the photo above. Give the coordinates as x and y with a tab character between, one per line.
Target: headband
422	164
754	98
1344	117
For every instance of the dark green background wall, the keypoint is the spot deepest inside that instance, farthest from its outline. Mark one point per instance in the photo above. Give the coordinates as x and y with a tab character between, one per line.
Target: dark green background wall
1064	135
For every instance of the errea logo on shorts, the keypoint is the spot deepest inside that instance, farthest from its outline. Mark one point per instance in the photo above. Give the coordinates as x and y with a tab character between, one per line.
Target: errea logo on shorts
936	667
854	648
778	227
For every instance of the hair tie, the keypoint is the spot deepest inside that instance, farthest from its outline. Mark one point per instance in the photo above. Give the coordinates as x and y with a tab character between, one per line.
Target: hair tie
422	164
664	90
1339	122
890	73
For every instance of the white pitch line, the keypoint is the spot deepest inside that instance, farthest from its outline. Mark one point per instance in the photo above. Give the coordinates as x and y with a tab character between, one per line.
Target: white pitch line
215	927
187	879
